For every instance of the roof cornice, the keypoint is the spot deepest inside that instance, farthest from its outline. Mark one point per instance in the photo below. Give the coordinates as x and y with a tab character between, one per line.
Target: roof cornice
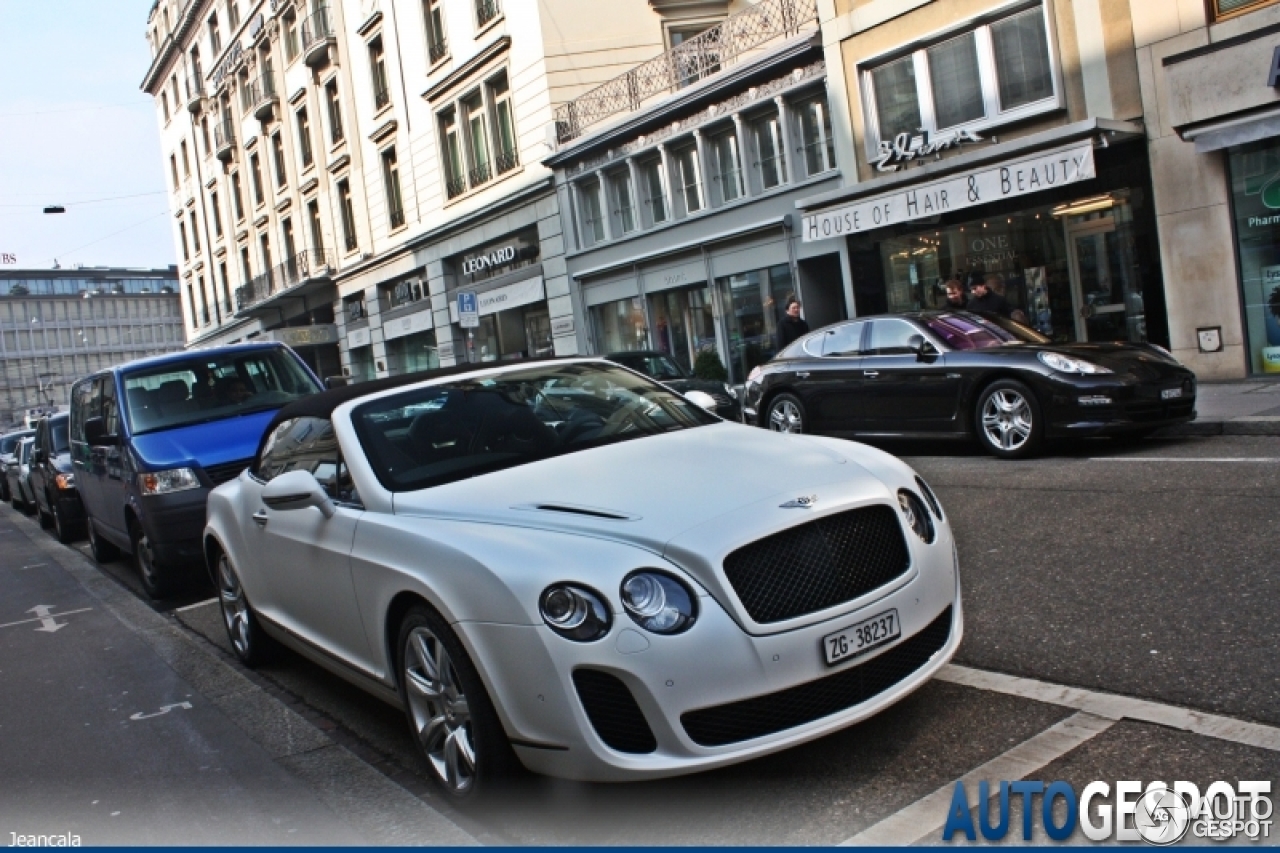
171	46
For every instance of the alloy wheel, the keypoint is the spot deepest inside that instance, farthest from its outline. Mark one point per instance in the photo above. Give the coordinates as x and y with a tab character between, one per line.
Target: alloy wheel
784	416
235	608
439	710
1007	420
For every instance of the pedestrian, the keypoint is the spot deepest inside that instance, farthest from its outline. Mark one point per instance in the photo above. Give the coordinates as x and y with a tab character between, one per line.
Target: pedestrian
791	326
983	297
955	294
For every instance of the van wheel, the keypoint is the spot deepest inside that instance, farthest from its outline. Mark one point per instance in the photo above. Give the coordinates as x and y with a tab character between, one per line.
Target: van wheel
156	581
102	550
46	521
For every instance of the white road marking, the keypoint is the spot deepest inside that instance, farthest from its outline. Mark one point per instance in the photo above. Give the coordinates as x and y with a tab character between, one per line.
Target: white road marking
927	816
1181	459
32	566
164	709
1117	707
198	604
43	617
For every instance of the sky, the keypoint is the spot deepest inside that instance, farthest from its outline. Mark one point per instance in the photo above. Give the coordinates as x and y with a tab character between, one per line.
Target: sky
76	129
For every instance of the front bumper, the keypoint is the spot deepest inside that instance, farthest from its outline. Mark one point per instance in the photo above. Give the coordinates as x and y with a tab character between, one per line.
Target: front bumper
530	672
174	523
1116	408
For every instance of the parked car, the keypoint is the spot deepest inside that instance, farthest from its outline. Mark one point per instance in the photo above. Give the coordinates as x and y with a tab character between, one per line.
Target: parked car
16	476
668	371
151	438
53	481
957	374
8	449
609	585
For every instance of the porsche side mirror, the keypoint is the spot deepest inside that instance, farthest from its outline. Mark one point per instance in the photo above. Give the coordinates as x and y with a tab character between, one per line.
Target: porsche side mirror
297	490
702	399
922	348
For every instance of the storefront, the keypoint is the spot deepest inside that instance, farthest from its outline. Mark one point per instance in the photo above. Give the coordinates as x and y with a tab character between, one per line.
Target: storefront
1255	198
1059	224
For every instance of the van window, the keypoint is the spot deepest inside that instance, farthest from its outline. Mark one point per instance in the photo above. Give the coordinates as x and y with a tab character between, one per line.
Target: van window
213	386
58	436
110	411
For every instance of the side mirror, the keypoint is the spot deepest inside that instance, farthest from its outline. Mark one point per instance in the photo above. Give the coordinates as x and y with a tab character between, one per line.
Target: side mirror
297	490
922	348
95	433
336	382
702	399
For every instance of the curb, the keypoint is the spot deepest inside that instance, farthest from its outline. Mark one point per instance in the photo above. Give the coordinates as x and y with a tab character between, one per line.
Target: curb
1235	426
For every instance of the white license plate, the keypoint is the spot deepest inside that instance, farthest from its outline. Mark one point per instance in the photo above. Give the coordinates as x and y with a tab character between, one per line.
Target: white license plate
1170	393
862	637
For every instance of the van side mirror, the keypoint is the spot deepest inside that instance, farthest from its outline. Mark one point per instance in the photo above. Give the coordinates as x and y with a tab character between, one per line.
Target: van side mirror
297	490
96	435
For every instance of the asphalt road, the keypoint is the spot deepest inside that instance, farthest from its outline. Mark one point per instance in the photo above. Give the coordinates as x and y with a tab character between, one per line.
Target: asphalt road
1147	572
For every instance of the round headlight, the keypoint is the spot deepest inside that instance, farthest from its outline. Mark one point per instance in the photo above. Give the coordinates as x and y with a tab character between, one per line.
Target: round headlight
930	497
658	602
575	612
917	516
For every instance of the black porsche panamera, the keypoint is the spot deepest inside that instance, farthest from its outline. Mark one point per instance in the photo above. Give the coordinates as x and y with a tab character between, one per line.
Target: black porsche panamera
958	374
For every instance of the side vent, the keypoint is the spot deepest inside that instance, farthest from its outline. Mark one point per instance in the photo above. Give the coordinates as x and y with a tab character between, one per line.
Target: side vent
590	512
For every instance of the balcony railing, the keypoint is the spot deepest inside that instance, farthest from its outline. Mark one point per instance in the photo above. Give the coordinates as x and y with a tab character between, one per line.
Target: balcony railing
260	95
397	216
195	95
505	162
732	40
486	11
438	50
224	141
317	35
308	264
455	186
479	175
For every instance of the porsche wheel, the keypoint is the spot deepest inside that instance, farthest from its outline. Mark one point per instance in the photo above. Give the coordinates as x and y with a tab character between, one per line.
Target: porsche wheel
450	714
1007	420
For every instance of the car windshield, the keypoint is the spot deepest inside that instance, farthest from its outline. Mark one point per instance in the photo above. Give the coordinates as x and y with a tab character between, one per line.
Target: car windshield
58	436
658	367
212	387
972	331
9	443
476	425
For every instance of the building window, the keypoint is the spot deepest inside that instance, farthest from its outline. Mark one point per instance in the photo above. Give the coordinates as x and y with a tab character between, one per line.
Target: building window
304	138
993	74
592	211
378	73
1230	8
204	135
233	14
451	144
504	156
277	157
335	111
690	177
290	36
195	233
286	233
348	211
767	134
391	183
215	37
317	231
728	166
246	266
255	175
204	301
164	105
655	189
486	11
182	233
478	141
437	44
815	136
217	214
237	196
226	287
624	197
173	170
186	161
264	252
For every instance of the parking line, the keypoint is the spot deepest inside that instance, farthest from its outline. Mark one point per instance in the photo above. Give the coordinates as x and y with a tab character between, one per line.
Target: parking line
927	816
1114	707
198	604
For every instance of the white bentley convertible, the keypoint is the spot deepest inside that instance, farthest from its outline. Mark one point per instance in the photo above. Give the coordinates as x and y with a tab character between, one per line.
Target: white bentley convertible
566	565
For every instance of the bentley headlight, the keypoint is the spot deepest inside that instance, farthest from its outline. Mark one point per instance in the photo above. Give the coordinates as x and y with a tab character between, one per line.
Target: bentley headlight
164	482
1066	364
930	497
574	612
658	602
917	516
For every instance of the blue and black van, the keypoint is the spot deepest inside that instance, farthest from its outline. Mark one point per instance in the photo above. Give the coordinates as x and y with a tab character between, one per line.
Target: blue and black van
151	438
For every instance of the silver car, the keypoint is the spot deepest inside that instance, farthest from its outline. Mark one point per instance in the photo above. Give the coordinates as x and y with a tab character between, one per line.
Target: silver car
566	566
17	476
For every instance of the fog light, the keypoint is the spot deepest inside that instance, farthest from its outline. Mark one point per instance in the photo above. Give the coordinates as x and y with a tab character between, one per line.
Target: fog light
1095	400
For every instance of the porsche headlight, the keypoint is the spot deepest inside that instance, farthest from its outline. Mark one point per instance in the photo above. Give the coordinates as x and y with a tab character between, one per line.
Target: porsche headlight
658	602
1067	364
917	516
574	612
165	482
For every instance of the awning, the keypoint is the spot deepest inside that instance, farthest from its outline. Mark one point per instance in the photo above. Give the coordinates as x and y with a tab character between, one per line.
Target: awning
1240	130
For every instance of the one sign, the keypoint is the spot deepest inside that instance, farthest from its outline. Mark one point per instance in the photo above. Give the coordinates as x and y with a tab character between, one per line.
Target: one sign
468	310
305	336
1014	178
419	321
562	326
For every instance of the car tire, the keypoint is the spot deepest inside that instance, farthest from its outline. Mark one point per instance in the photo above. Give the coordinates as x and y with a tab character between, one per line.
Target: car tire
249	642
63	530
46	520
785	414
102	550
1007	420
157	582
450	715
4	490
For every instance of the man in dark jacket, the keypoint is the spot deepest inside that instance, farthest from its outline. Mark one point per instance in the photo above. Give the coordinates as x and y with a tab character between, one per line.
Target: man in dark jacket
955	295
791	327
983	298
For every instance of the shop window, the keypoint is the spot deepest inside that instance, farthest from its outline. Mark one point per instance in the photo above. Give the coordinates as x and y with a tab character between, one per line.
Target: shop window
728	167
1230	8
684	324
391	184
993	74
591	211
690	177
433	17
753	304
1255	195
362	364
767	135
655	189
402	293
413	353
620	326
624	211
815	135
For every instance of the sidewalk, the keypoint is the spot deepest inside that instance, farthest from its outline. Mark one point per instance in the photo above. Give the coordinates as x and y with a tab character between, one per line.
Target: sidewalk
1247	407
120	728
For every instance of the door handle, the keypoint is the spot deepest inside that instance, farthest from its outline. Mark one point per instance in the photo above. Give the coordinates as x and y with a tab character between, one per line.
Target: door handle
260	517
871	374
804	375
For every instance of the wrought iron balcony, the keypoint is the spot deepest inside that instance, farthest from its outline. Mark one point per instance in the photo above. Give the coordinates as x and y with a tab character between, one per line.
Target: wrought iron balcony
479	174
260	95
505	162
438	50
317	35
455	187
734	39
381	96
195	95
224	141
308	265
397	216
486	11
